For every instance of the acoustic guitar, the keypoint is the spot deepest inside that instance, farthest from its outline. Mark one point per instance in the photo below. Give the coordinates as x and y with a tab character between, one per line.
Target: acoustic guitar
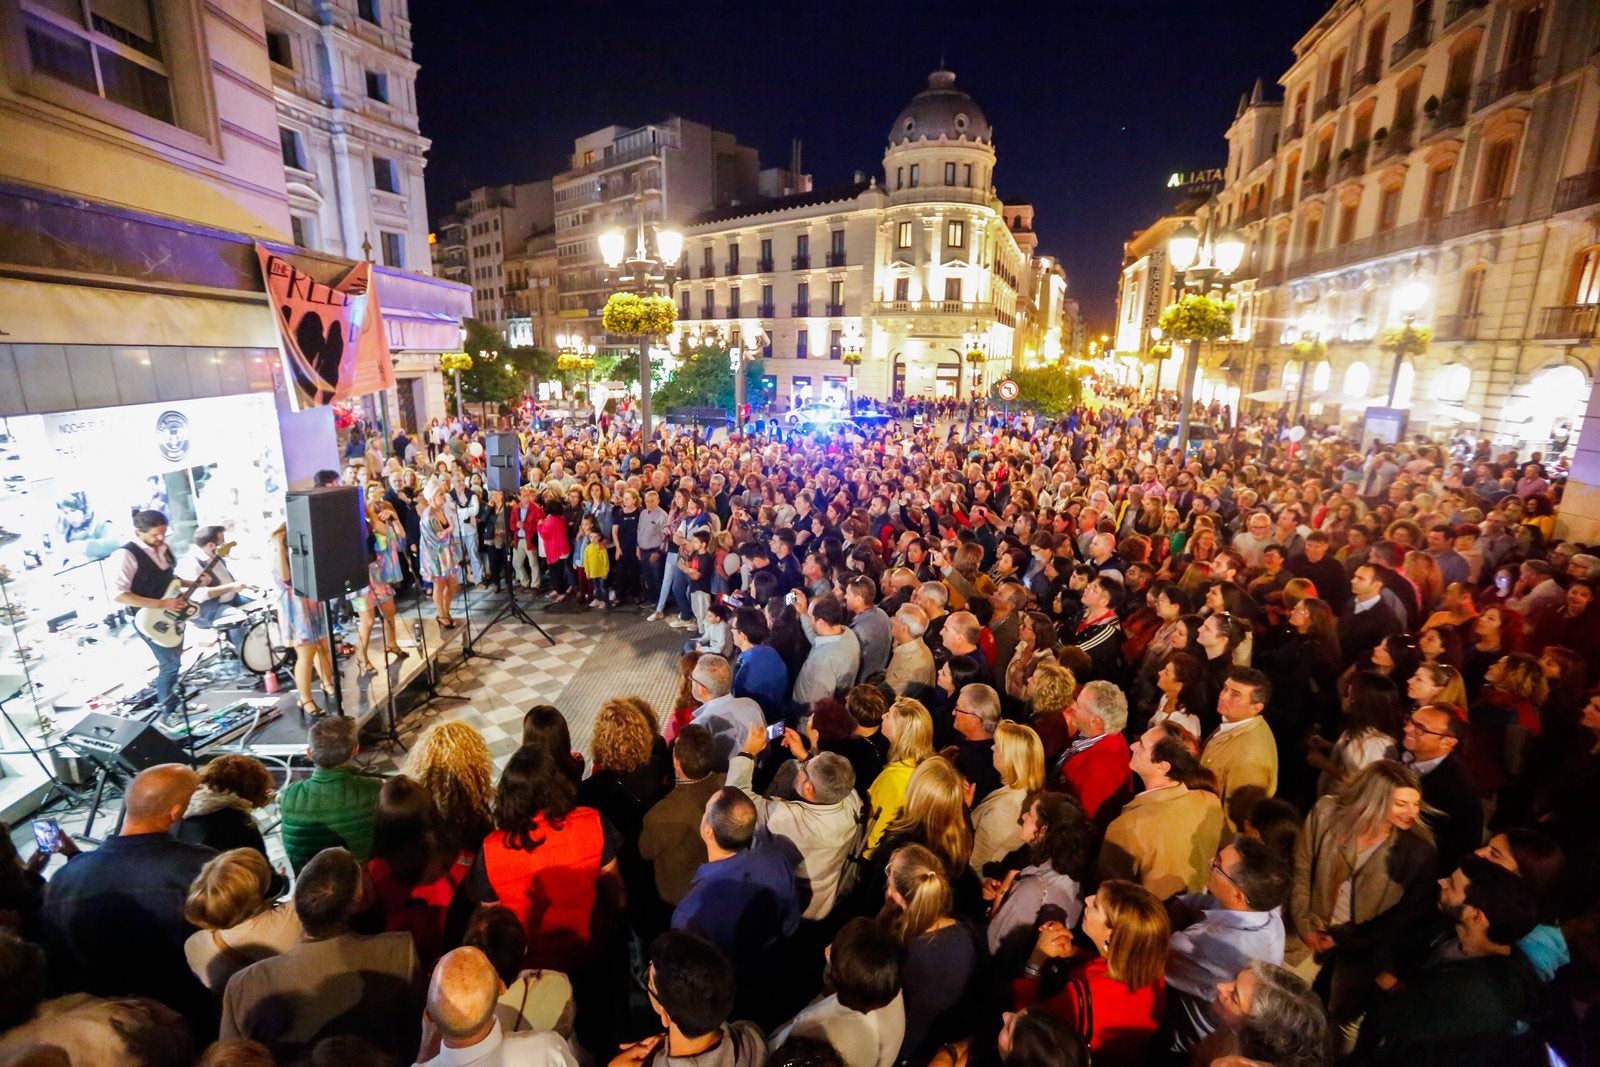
164	626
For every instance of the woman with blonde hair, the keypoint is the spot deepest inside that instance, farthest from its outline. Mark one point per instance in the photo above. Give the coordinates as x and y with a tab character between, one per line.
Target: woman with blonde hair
1114	1001
909	728
452	762
631	767
1436	683
934	816
996	821
1363	869
436	551
231	901
305	626
385	538
942	953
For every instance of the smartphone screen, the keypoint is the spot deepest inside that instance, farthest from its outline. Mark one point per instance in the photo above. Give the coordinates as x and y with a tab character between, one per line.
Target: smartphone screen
47	834
775	731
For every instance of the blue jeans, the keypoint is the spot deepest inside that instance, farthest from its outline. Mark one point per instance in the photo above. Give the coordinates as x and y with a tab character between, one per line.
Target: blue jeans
169	662
669	574
680	594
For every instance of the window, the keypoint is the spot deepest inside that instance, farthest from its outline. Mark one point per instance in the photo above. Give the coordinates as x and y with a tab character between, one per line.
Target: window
766	299
902	288
1472	293
733	302
1586	277
115	54
733	258
836	243
1436	194
300	229
802	294
903	235
899	177
289	142
394	248
835	344
802	245
766	255
952	289
683	305
1347	222
1497	162
278	49
377	87
1313	232
801	343
710	305
916	175
955	233
385	175
949	173
836	294
368	10
1388	208
967	175
705	260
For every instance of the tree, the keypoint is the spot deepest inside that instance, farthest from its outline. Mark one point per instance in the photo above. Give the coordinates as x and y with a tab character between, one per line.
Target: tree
1049	390
705	379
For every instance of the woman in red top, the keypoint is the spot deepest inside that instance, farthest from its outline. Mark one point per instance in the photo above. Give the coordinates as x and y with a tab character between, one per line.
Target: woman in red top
414	874
1116	999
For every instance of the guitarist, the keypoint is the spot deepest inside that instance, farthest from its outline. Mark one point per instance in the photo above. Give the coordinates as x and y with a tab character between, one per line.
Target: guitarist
218	589
141	571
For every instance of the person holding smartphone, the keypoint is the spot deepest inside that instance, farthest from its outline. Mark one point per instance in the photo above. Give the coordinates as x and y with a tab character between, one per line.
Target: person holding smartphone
21	881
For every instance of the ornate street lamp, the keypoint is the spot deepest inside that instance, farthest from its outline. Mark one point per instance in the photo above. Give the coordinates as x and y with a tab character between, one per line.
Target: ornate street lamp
644	275
851	356
1200	260
577	354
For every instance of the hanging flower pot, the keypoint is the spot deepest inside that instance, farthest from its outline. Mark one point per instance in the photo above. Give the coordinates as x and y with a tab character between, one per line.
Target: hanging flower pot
631	315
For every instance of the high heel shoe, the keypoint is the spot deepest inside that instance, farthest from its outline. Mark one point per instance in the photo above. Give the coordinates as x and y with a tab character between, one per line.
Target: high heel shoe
365	669
309	707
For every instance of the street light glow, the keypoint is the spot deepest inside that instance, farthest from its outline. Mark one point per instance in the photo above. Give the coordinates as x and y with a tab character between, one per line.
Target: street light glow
611	245
1229	251
670	244
1183	246
1410	297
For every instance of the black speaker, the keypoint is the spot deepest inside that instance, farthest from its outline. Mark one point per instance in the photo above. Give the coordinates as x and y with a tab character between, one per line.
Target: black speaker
126	744
503	454
327	542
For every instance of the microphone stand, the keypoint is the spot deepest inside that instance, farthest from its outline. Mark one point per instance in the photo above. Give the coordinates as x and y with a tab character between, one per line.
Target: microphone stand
468	649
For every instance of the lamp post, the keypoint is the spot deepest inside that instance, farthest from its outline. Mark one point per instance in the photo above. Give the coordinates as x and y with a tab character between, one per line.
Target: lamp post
1156	333
647	275
576	353
1408	300
977	350
1200	259
1310	334
852	345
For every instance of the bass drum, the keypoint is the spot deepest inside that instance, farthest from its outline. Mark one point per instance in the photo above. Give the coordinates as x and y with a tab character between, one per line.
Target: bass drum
263	650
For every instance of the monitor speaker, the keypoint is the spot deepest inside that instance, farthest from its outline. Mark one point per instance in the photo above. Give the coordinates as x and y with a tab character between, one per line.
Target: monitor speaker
126	744
327	542
502	452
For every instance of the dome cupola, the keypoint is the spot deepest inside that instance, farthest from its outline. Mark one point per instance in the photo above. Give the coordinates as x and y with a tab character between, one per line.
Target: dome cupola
941	110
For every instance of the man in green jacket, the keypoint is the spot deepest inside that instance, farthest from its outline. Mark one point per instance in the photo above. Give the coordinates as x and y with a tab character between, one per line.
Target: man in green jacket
336	806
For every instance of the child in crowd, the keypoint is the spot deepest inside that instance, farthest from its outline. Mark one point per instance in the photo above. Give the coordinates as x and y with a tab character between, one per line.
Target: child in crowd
596	564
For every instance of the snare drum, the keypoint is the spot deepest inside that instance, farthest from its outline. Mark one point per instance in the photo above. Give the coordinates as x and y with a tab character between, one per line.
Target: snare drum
263	650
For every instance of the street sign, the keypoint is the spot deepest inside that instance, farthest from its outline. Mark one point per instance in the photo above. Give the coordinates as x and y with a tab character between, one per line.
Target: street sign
1007	389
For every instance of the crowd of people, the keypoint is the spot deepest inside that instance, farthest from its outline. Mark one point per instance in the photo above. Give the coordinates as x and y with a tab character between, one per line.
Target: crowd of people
1019	741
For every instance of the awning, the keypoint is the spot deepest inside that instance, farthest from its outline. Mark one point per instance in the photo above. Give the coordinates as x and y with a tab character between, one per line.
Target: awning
73	313
422	313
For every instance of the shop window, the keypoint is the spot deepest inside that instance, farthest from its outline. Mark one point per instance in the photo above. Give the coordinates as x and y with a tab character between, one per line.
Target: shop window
109	49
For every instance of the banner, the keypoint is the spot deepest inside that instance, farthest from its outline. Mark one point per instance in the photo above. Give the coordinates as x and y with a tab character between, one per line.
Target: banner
333	341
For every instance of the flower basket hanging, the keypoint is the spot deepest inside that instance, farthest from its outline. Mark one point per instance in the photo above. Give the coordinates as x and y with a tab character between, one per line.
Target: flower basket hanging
631	315
851	359
1396	339
976	355
451	361
1309	349
1197	318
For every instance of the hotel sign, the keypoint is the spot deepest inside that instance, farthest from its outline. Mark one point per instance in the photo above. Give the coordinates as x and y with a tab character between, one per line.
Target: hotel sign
1188	183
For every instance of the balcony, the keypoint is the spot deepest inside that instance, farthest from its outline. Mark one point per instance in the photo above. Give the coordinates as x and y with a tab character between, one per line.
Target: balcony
1352	166
800	309
1580	190
1484	215
763	266
731	268
708	271
1294	131
1314	180
1283	205
1456	327
1387	242
836	259
733	311
834	311
685	312
1460	9
1451	114
1575	321
933	307
1367	75
1415	40
1326	103
1397	143
708	312
801	262
1514	77
766	311
1253	212
1270	278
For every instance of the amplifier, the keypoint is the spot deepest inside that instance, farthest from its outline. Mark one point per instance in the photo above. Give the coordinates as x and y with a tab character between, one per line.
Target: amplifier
127	744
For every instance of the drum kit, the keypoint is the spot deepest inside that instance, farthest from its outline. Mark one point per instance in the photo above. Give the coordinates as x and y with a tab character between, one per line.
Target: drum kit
251	637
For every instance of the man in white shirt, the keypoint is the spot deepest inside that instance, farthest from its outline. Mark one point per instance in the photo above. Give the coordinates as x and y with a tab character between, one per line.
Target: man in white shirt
728	717
459	1026
864	1016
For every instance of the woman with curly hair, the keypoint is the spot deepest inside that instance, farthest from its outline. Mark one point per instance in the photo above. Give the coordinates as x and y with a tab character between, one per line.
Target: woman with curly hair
1504	719
1060	842
684	704
219	814
452	763
631	767
1050	694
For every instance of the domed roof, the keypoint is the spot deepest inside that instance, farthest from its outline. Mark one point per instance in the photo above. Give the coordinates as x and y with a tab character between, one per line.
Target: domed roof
941	110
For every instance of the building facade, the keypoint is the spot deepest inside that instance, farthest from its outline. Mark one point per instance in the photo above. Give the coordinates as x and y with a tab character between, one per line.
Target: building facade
1455	144
904	269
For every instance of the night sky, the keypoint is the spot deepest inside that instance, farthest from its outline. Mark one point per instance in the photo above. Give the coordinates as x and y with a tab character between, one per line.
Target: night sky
1093	102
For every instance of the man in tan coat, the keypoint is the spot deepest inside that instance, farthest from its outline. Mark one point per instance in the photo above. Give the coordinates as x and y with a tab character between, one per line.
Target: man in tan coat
1241	752
1166	836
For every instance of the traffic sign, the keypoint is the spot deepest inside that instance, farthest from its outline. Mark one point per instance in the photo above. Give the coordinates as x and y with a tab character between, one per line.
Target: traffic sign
1007	389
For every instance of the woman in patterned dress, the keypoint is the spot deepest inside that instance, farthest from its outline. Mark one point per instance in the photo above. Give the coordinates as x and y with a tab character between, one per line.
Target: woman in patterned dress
384	529
304	627
437	552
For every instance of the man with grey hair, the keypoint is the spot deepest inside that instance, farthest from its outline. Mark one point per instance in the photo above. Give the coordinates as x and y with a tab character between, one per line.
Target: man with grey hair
460	1027
933	598
1269	1015
1583	565
1094	768
870	624
977	713
911	660
728	717
822	822
1006	626
338	804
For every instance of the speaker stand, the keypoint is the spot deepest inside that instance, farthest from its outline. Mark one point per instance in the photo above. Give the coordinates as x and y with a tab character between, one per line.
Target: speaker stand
333	658
392	734
434	696
104	773
469	651
511	609
57	790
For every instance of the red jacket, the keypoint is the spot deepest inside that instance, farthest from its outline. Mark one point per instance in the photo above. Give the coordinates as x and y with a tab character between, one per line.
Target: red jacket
1099	777
1117	1021
526	533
